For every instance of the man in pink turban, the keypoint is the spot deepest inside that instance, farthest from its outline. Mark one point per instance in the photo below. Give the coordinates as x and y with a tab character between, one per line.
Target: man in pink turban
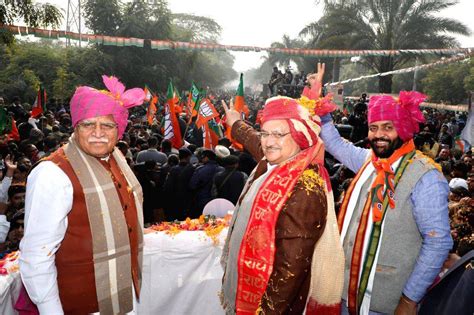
82	248
394	218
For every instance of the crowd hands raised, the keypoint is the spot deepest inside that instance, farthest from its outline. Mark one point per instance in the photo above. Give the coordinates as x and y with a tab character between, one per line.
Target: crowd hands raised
178	183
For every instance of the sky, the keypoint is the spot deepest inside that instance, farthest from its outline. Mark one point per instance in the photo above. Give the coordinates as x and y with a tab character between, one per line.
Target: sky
261	22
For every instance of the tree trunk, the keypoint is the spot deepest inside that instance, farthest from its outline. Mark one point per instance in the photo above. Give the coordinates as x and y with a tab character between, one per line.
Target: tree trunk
385	82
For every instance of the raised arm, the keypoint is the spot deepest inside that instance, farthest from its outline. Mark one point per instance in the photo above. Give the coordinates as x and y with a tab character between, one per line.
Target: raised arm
344	151
242	132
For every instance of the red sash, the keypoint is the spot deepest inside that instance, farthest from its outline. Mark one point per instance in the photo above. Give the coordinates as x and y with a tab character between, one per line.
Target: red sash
257	251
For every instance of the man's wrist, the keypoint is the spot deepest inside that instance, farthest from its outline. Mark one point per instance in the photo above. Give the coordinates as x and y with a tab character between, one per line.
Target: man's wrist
407	300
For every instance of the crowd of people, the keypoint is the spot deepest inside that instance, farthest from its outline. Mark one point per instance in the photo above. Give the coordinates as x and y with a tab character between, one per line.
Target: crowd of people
178	182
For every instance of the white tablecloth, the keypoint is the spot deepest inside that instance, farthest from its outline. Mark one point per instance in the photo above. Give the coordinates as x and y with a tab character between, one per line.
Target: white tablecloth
181	274
9	290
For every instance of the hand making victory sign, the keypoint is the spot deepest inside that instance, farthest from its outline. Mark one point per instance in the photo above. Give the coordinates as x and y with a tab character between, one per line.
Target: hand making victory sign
230	113
315	80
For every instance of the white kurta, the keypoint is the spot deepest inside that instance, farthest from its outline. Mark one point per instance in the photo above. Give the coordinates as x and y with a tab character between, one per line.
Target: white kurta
49	198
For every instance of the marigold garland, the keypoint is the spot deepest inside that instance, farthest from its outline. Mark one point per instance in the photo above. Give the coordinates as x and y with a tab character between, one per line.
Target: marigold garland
210	225
311	180
9	263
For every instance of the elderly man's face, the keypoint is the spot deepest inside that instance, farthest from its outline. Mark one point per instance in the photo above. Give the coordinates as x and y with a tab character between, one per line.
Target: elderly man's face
277	143
97	136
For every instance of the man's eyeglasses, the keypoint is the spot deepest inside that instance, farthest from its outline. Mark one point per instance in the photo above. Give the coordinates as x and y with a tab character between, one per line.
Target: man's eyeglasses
89	125
274	134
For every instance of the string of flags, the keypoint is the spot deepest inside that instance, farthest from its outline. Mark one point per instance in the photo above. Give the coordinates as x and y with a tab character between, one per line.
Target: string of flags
178	45
462	58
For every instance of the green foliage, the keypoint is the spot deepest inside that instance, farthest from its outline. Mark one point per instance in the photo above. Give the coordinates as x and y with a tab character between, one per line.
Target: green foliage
153	20
284	60
381	24
102	16
23	66
33	14
447	83
28	65
469	79
202	29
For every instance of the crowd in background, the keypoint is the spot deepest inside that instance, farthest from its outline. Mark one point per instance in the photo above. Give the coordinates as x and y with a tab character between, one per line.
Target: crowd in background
178	183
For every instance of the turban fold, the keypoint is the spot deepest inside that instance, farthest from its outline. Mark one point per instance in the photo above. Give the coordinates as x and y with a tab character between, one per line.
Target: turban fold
302	115
88	102
404	113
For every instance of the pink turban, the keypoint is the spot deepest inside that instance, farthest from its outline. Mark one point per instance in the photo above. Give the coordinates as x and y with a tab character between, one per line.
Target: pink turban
404	113
88	102
301	114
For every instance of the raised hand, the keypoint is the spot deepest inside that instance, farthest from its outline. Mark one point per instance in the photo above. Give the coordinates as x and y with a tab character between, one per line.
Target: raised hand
313	78
9	163
231	115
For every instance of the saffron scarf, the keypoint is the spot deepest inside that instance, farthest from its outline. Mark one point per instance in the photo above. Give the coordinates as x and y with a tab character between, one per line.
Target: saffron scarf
380	198
257	251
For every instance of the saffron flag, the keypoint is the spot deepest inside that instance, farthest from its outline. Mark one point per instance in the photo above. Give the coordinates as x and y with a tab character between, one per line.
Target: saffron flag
39	105
241	107
239	103
211	134
195	98
207	111
171	124
152	109
148	94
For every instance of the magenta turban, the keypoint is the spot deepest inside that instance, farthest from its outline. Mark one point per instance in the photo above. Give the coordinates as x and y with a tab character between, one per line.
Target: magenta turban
404	113
88	102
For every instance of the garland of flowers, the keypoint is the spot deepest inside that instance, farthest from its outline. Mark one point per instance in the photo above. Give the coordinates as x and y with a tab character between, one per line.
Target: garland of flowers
9	263
209	224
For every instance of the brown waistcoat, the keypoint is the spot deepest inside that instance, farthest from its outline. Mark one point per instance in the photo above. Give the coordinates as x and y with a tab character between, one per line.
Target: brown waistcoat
74	262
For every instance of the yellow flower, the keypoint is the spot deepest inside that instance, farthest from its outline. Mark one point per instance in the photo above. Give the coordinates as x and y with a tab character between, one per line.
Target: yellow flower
311	180
202	219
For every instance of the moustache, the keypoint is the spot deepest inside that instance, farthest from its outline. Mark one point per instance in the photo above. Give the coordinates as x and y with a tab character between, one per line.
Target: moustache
100	140
272	148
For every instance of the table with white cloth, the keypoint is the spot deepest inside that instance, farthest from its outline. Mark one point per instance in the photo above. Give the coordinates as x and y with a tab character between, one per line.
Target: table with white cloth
10	285
181	273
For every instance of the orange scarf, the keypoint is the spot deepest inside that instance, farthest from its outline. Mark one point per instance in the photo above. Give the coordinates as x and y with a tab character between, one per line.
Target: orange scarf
257	251
384	182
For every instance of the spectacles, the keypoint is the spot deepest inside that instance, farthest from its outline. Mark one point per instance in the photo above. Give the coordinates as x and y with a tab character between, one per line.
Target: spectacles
274	134
90	125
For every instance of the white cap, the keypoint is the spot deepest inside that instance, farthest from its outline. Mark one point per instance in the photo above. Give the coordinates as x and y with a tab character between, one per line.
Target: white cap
458	182
221	151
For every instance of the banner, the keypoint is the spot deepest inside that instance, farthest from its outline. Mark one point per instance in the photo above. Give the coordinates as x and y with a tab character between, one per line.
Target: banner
172	45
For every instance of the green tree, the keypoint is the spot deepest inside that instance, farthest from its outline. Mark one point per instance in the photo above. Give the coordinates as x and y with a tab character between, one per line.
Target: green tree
154	21
199	28
381	24
33	14
285	59
102	16
447	83
469	80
